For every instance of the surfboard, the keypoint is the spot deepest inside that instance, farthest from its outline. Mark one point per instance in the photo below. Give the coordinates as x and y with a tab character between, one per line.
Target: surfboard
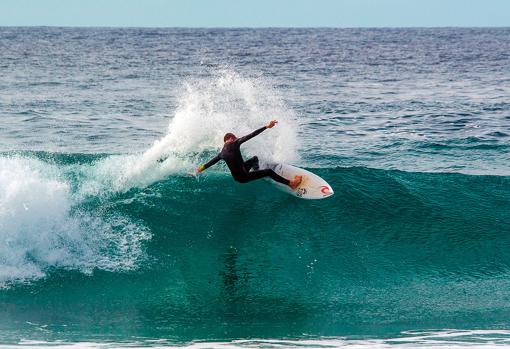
312	187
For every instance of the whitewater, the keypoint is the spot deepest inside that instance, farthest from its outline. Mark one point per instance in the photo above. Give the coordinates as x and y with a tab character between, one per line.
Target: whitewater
109	239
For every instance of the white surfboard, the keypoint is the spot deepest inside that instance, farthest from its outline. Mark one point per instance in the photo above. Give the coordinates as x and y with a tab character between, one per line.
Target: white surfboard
311	187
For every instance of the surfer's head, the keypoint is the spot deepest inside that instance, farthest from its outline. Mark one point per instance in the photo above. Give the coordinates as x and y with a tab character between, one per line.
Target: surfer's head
229	137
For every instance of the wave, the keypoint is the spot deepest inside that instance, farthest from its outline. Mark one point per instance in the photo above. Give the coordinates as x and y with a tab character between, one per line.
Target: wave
50	219
400	249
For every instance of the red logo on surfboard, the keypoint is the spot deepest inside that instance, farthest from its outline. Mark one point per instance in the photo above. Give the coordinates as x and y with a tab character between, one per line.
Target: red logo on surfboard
325	190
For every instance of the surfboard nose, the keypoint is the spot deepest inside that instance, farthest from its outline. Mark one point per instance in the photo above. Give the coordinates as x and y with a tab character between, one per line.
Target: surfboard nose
326	190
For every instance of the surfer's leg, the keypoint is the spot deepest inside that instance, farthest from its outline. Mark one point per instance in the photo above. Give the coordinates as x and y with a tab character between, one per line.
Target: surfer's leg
254	175
252	163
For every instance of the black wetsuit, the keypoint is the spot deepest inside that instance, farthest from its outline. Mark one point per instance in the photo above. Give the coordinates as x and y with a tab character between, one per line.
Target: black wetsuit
240	169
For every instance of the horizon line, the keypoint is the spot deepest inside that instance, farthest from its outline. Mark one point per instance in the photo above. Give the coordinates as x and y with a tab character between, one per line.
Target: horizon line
252	27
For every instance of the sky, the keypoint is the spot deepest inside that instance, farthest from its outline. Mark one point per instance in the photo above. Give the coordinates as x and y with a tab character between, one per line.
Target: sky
256	13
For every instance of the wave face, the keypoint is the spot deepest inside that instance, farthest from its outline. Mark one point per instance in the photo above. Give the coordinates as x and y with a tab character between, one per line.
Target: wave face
211	258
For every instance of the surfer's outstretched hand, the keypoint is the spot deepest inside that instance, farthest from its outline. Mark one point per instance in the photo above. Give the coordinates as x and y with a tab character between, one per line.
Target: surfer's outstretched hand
272	123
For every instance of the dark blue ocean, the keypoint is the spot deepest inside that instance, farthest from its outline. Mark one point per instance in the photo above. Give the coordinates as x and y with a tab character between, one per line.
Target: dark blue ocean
108	240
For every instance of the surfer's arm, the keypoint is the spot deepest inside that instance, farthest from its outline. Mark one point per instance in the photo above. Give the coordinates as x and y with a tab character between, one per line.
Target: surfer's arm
251	135
209	163
257	132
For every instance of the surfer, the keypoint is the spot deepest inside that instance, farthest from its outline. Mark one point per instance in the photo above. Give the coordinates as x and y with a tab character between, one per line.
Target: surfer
240	169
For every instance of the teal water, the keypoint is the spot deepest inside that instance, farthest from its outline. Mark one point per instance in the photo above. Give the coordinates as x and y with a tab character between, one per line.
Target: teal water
107	239
213	259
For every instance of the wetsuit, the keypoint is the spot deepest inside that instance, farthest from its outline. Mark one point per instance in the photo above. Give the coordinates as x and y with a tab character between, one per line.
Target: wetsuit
231	154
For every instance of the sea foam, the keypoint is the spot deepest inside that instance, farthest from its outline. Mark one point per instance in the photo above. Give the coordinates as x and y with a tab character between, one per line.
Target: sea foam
41	227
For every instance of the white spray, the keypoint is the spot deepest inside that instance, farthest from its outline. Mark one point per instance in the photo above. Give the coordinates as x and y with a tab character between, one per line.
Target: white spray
207	109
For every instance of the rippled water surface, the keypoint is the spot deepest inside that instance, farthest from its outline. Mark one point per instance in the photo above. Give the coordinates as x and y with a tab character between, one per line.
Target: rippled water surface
107	240
413	99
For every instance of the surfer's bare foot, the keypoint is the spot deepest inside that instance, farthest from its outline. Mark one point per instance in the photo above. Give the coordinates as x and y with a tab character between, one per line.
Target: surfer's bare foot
293	183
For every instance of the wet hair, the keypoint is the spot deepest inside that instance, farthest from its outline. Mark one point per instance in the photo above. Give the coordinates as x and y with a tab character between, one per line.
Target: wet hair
227	136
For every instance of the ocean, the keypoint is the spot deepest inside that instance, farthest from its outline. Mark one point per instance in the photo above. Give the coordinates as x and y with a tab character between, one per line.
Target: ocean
108	239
